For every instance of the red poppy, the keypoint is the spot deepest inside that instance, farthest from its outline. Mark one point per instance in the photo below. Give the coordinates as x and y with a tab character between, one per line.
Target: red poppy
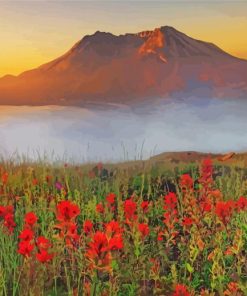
25	248
30	219
43	256
144	229
130	209
87	226
181	290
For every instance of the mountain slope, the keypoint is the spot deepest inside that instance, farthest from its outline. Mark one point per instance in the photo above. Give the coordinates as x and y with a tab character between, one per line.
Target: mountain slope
129	68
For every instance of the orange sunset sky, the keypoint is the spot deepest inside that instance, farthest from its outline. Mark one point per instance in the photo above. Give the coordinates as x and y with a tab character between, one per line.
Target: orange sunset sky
35	32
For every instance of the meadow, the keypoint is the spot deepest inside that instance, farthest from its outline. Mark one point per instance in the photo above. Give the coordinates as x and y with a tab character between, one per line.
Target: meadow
134	229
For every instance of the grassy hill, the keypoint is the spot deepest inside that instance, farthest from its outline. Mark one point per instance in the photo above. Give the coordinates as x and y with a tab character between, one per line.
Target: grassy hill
172	225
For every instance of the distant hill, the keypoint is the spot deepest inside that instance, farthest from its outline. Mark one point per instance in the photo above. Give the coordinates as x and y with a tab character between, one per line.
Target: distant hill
130	68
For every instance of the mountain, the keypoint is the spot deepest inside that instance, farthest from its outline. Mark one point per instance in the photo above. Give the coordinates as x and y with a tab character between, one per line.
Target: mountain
130	68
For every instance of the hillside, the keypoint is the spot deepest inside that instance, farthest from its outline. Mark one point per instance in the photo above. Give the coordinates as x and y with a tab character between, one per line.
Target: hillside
130	68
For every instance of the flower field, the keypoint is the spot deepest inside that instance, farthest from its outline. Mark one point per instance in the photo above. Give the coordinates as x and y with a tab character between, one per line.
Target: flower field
66	230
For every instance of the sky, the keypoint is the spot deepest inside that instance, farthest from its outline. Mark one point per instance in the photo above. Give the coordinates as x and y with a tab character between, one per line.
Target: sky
36	32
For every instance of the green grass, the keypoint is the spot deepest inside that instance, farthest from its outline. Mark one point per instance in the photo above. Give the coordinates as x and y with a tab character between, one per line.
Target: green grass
179	260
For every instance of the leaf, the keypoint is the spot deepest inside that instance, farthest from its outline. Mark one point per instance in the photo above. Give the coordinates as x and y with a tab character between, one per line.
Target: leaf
114	265
137	252
189	268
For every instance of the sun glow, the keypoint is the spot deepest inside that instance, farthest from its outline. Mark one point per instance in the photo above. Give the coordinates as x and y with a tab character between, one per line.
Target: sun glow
37	32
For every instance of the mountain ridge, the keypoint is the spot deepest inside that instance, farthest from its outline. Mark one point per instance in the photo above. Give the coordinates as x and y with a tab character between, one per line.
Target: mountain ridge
120	69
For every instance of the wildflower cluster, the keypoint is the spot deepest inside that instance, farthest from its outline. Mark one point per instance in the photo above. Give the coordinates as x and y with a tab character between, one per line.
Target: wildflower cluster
30	243
7	214
131	241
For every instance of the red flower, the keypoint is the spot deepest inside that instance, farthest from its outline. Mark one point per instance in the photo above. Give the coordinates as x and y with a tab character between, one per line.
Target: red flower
43	243
9	222
66	211
186	182
43	256
170	201
232	289
241	203
112	228
181	290
129	209
7	213
170	207
30	219
25	248
5	178
116	242
98	246
35	182
87	227
144	206
26	235
100	208
224	210
9	210
111	198
2	211
206	178
160	236
187	221
48	178
66	214
206	206
207	169
144	229
71	235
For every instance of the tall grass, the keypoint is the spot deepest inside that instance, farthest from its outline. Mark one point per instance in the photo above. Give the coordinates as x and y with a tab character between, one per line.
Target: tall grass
193	256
